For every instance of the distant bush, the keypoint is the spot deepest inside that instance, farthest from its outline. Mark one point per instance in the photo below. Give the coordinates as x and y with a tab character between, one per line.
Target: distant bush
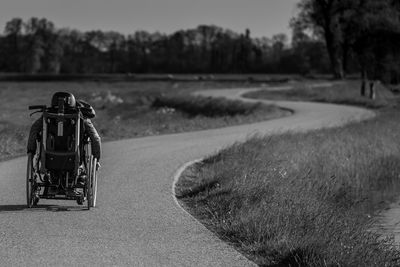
205	106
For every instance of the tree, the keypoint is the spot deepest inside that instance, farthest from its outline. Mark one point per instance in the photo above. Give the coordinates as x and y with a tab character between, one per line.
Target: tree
376	37
324	18
308	51
13	44
37	46
114	43
42	46
357	27
279	42
73	45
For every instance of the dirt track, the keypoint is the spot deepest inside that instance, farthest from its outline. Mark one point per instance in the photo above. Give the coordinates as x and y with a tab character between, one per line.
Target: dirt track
137	221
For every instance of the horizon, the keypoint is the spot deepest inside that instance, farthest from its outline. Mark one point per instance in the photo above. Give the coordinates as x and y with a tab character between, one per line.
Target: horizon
267	18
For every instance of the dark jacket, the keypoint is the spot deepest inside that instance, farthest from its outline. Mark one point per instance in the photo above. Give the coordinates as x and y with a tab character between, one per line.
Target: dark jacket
89	129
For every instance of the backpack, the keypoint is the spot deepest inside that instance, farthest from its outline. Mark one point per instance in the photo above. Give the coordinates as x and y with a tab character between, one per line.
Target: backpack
86	109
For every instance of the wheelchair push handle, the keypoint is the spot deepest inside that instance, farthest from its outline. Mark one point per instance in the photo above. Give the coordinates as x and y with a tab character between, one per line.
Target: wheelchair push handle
41	107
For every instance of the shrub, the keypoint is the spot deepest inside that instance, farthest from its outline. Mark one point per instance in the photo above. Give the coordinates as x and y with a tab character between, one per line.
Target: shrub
206	106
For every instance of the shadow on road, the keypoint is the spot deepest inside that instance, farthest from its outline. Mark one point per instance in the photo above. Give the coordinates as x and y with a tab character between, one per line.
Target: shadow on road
54	208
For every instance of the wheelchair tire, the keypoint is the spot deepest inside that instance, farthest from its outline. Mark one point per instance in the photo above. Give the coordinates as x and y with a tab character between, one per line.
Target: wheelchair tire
29	182
35	200
88	194
94	184
80	200
88	187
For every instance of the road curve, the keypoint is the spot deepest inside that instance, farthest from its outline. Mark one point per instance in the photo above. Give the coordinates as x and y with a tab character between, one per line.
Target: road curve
137	221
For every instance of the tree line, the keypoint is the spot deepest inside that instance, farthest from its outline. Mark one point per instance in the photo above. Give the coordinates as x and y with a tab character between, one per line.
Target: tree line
37	46
328	36
360	35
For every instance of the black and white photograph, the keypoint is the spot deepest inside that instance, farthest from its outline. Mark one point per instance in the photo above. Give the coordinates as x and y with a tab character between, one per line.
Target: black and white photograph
200	133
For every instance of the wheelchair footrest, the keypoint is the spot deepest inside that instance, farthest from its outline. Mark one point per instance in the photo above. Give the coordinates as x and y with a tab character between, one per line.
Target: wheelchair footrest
68	195
60	197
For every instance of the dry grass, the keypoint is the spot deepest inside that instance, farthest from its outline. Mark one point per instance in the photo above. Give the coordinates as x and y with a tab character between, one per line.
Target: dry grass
124	109
304	199
206	106
347	93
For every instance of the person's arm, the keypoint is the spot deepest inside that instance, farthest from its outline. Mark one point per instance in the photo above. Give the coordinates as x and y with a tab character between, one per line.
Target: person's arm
36	128
94	137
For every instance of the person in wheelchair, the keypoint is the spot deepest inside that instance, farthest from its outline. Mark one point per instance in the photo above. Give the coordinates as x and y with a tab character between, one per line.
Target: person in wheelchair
67	102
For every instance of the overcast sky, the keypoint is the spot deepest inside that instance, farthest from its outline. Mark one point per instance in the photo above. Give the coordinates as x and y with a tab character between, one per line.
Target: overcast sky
262	17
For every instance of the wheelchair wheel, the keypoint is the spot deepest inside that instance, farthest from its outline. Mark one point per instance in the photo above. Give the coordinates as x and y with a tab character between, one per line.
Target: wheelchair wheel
94	184
80	201
30	183
88	193
88	187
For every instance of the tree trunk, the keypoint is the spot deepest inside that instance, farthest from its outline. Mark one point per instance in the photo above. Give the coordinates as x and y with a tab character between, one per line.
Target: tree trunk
363	81
372	93
345	57
338	68
334	55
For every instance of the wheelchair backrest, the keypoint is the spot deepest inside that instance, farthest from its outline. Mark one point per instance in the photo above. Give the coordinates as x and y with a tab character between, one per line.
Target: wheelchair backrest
62	134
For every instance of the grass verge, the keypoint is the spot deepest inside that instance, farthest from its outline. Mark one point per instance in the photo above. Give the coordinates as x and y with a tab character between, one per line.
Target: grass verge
347	93
302	199
125	109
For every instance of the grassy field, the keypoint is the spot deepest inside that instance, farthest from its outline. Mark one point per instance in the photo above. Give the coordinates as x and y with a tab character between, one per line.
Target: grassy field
124	109
347	93
303	199
140	77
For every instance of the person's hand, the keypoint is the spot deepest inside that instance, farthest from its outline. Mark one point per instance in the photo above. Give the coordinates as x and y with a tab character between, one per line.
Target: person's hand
98	166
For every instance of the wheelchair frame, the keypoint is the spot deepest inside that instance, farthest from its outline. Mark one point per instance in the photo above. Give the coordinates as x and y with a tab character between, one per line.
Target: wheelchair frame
39	180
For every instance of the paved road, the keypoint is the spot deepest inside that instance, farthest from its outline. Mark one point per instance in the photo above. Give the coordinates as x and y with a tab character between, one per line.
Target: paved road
137	221
387	222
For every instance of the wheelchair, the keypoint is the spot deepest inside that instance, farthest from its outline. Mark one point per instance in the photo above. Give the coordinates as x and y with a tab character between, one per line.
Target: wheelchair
63	166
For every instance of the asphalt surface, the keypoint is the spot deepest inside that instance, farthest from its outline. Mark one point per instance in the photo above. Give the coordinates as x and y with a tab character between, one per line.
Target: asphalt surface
387	222
137	221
